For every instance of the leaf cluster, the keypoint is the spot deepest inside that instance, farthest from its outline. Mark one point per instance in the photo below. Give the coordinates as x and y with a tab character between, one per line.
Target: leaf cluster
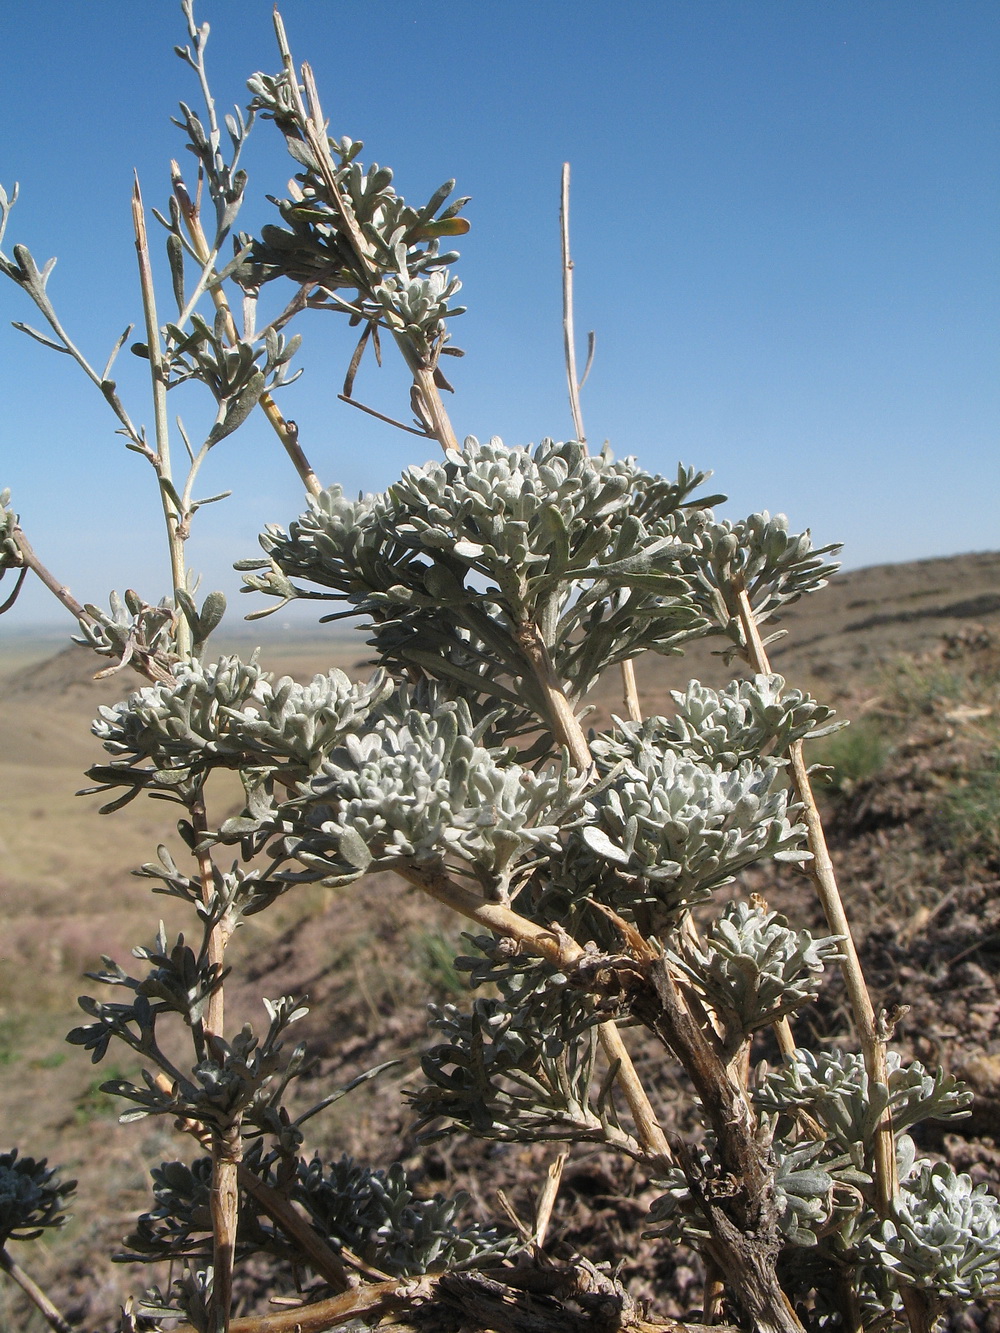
519	1065
753	969
676	829
745	719
32	1197
346	228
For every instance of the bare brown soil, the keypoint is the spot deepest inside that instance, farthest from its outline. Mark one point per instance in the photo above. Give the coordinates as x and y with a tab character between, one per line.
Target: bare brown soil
923	897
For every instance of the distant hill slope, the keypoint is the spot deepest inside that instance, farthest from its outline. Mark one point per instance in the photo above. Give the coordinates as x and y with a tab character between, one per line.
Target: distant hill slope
861	617
928	927
868	614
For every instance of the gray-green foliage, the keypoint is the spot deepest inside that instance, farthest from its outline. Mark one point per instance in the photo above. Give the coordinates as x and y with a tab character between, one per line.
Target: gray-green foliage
519	1064
759	554
420	789
945	1234
32	1197
834	1087
227	714
376	1214
388	255
458	556
754	970
679	829
745	719
498	585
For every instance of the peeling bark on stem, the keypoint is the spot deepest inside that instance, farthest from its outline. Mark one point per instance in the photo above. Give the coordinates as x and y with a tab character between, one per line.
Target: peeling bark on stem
739	1202
227	1149
746	1240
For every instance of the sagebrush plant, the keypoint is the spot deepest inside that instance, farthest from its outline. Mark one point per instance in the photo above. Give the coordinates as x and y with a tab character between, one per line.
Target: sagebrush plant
500	583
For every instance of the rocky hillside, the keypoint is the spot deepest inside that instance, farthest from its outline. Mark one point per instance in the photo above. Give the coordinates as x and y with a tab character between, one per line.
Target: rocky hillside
910	652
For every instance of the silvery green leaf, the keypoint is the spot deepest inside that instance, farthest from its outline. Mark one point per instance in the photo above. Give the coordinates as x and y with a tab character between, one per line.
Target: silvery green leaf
833	1086
493	1076
39	337
726	726
377	1215
354	850
753	969
239	408
688	826
598	841
945	1234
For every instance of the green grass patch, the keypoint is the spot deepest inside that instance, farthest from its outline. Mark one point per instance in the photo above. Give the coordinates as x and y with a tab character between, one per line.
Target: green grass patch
853	755
94	1104
10	1039
435	955
970	811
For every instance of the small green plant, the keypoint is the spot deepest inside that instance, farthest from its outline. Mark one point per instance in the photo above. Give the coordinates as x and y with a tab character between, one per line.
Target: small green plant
499	584
853	755
51	1061
916	688
11	1034
95	1102
435	953
970	810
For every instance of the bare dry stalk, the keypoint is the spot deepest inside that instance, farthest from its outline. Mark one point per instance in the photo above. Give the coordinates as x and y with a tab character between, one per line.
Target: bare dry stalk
227	1149
381	416
630	692
59	590
366	1302
574	385
552	943
34	1293
501	1299
284	430
313	127
825	879
715	1290
327	1263
651	1136
569	337
919	1306
158	380
547	1197
784	1035
226	1144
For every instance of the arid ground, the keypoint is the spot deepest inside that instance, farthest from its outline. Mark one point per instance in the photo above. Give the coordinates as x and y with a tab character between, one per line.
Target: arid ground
910	652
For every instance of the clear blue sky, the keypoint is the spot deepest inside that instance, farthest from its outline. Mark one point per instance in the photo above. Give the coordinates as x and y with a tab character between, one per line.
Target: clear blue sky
784	228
